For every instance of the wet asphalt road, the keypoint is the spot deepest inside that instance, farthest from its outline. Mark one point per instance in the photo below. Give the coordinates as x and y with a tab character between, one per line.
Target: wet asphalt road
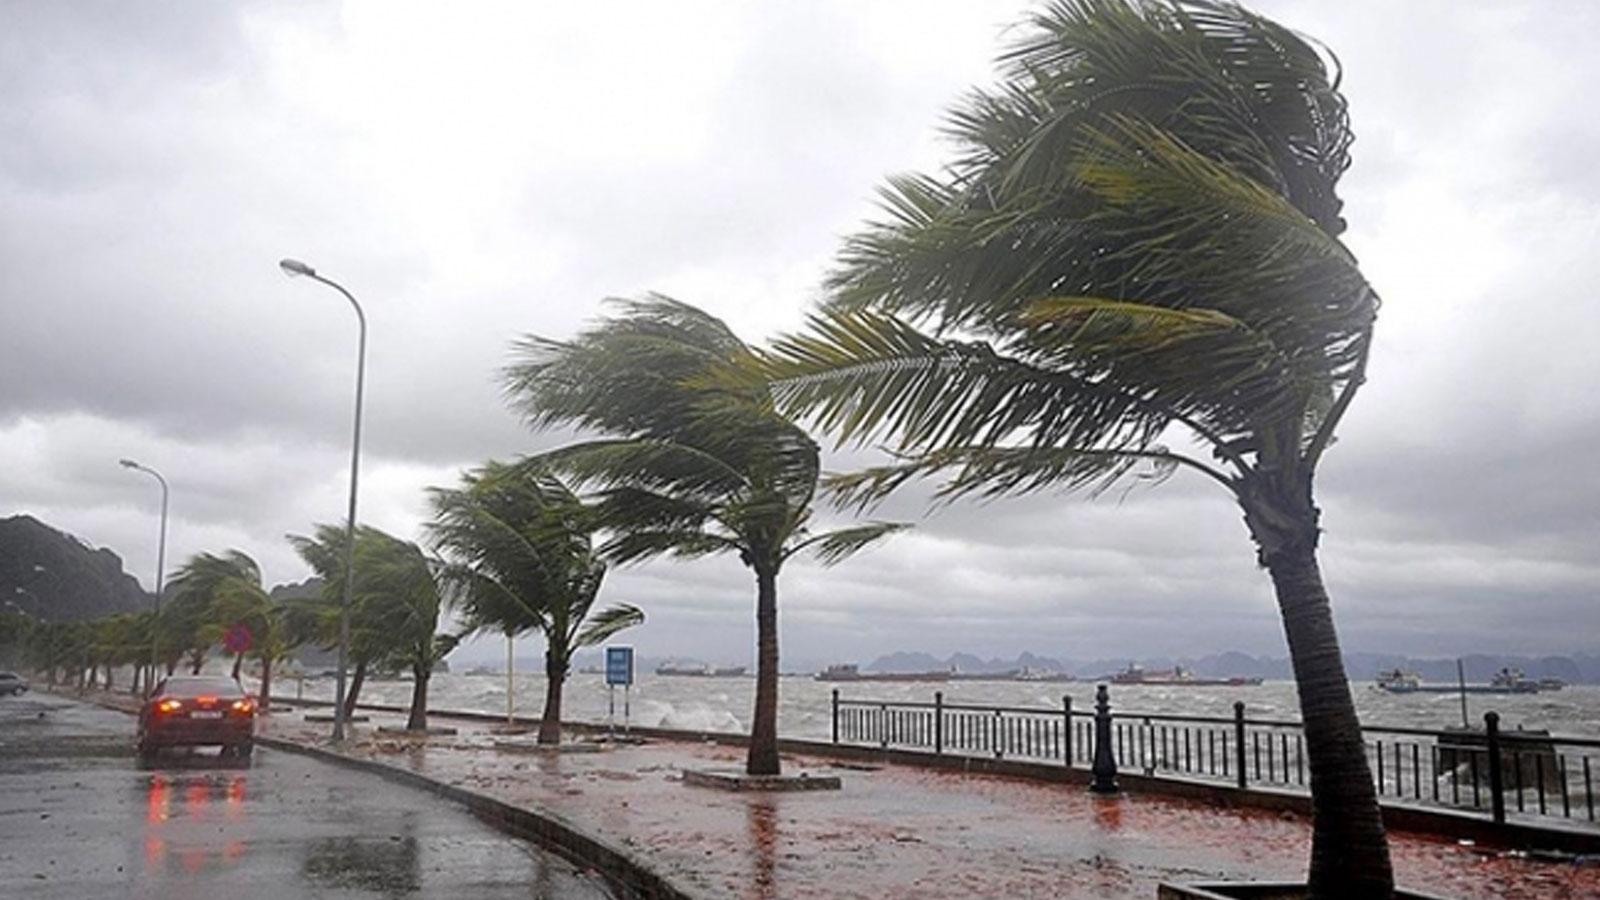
79	820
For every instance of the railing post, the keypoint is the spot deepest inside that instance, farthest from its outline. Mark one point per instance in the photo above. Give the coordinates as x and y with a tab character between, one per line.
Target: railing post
1497	800
1066	731
1105	764
836	715
938	722
1238	741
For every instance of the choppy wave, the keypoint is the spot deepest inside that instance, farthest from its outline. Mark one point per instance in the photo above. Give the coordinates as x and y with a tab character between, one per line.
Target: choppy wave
725	704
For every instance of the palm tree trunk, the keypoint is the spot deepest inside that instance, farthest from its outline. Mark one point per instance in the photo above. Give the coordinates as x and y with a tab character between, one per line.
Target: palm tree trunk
238	664
1349	851
417	720
763	757
266	683
354	691
555	675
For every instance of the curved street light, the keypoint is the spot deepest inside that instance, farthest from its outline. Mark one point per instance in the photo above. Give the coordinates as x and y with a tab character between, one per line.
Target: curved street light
161	567
294	268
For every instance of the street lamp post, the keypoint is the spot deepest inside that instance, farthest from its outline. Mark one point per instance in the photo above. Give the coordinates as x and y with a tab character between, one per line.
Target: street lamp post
161	568
292	268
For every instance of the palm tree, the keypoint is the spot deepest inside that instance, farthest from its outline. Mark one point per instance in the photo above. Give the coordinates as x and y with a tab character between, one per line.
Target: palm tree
522	559
318	620
230	588
1135	253
399	585
687	467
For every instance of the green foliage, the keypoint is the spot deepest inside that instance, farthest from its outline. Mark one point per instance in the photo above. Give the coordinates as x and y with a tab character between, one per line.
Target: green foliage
1139	234
212	594
522	558
396	598
689	464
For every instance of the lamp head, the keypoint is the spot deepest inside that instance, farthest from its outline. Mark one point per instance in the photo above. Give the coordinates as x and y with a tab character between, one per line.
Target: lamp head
293	267
128	464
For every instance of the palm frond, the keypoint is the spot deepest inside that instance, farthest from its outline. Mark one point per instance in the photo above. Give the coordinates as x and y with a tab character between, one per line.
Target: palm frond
636	544
989	472
833	547
606	623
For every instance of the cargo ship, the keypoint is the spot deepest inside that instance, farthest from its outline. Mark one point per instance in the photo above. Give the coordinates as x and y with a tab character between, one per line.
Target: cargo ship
1509	680
1178	675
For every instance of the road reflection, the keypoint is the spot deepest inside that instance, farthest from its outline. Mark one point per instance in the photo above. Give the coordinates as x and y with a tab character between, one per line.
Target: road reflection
179	798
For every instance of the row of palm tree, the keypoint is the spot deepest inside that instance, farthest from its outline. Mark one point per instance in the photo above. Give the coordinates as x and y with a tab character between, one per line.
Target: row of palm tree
84	653
518	556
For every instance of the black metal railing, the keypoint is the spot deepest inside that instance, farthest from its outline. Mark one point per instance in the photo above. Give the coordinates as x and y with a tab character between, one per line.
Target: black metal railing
1499	773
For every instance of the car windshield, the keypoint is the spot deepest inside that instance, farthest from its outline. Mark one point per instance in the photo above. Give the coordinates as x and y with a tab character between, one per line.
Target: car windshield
202	687
8	676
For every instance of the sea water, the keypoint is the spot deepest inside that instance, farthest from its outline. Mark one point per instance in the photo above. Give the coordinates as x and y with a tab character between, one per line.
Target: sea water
725	704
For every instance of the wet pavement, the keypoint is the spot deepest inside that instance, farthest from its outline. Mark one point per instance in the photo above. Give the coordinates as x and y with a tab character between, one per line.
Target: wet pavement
78	819
901	831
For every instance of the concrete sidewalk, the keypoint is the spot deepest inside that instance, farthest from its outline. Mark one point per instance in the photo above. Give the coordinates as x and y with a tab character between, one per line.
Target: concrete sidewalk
901	831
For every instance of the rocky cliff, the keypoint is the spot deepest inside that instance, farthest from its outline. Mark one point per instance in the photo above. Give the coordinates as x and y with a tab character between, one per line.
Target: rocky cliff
57	577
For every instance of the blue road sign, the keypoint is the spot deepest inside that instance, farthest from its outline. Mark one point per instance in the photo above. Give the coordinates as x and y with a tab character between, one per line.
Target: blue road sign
619	666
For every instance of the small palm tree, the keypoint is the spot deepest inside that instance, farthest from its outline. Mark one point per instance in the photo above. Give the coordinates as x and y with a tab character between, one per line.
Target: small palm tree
687	466
181	628
400	586
1135	253
317	619
520	545
230	587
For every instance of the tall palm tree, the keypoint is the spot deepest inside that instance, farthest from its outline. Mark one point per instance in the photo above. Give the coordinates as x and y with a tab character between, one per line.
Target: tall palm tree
522	558
686	466
1134	253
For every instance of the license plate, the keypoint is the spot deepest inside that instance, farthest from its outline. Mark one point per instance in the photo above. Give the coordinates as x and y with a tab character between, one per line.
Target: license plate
205	714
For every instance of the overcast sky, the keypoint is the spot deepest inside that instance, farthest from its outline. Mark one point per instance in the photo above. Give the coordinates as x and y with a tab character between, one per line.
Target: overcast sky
477	171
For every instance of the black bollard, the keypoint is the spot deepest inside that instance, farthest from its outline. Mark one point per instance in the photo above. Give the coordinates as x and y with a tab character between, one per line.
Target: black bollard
1105	763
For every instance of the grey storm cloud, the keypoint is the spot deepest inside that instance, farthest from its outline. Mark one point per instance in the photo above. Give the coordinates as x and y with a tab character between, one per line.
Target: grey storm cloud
476	178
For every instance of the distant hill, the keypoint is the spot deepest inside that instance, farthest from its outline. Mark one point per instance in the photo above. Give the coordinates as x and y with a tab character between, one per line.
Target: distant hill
59	578
965	662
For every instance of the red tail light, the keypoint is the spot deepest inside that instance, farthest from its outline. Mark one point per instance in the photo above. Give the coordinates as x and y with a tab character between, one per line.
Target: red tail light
169	706
244	707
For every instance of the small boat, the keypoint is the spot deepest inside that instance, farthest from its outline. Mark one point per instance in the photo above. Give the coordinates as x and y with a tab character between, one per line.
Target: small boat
850	672
1399	681
1510	680
1551	684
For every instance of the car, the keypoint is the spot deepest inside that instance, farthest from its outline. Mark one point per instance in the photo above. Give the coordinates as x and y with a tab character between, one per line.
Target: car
197	711
11	684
